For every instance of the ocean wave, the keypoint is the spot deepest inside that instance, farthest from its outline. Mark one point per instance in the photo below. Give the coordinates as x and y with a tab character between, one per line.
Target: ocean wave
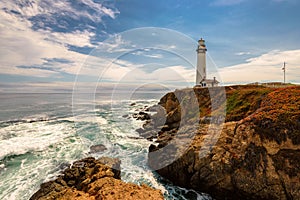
89	117
23	174
86	118
29	119
34	147
2	166
31	137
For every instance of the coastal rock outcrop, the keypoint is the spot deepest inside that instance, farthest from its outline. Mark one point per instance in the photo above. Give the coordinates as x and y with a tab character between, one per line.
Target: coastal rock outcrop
91	179
256	154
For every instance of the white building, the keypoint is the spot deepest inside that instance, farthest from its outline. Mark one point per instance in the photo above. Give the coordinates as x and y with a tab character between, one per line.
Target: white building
201	79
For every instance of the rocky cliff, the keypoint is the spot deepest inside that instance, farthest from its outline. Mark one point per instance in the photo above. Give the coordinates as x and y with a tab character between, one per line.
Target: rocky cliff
91	179
252	152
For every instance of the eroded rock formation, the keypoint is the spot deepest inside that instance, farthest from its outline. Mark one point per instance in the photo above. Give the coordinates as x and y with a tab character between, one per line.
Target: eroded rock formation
257	151
91	179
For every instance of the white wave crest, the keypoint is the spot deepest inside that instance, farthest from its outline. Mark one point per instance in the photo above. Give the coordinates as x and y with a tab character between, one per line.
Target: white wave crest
32	137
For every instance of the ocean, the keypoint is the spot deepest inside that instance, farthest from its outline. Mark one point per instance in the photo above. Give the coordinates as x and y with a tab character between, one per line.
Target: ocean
40	134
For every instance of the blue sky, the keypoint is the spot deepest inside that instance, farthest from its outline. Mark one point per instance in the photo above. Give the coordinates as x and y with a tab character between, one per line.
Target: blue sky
46	45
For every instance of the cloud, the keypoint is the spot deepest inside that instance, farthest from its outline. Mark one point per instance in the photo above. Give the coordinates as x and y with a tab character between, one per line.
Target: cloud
100	8
75	9
43	87
32	48
242	53
226	2
115	44
278	1
21	46
126	73
76	38
85	87
154	56
28	51
264	68
135	74
146	54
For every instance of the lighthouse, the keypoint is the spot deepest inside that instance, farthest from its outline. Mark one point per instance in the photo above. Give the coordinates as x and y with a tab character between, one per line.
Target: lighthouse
201	79
201	61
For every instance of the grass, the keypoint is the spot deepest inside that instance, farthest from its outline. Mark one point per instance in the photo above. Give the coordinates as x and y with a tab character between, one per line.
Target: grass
242	102
275	112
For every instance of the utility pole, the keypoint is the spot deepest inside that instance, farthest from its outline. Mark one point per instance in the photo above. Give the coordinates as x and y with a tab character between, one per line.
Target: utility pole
284	65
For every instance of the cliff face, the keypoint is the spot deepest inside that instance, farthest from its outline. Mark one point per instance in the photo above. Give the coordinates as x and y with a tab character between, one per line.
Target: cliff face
255	154
91	179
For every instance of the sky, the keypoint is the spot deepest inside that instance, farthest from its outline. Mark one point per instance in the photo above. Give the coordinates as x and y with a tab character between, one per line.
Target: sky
104	45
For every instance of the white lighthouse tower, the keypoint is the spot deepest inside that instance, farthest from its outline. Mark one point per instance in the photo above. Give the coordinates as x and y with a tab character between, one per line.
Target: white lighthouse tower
201	79
201	61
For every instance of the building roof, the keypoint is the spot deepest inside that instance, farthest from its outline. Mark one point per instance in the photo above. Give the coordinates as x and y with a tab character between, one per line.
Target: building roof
210	81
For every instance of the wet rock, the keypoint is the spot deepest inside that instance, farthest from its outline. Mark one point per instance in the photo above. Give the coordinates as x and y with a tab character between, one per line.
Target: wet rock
97	148
125	116
91	179
142	116
140	130
148	134
63	166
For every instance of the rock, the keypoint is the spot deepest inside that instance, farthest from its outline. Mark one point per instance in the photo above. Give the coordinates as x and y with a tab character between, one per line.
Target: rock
143	116
91	179
257	153
148	134
132	104
63	166
152	122
140	130
97	148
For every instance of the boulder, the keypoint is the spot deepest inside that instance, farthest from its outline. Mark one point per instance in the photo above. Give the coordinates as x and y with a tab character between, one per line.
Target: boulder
141	116
97	148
